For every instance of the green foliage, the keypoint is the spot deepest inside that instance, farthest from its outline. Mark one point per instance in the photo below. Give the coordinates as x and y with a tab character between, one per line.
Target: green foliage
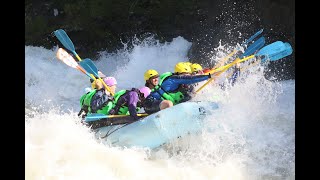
100	8
37	25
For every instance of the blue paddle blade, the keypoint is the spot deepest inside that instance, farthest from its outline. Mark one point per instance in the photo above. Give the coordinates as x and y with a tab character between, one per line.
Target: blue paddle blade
281	54
64	39
288	48
89	66
272	48
252	37
254	47
94	117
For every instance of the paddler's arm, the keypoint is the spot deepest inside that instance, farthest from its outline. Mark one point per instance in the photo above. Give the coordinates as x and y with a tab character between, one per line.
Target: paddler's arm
189	79
132	104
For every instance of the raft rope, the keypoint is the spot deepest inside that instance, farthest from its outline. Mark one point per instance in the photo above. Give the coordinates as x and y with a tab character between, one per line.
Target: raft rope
119	127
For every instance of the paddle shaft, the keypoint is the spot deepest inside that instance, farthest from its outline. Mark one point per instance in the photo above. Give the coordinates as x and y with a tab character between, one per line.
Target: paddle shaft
204	85
78	57
104	84
273	54
244	68
85	72
237	49
102	116
123	115
223	69
251	49
222	61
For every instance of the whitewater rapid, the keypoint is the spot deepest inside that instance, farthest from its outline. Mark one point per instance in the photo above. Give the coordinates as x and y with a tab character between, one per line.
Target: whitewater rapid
251	136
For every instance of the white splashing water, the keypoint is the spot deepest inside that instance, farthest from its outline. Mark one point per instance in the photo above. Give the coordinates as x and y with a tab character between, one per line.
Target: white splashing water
250	137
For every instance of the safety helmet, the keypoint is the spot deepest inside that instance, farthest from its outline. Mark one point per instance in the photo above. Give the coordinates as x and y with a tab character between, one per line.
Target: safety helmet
150	73
110	81
182	67
188	63
145	90
195	67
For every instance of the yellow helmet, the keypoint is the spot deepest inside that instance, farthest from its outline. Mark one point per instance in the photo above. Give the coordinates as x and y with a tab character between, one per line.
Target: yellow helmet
150	73
188	63
182	67
196	67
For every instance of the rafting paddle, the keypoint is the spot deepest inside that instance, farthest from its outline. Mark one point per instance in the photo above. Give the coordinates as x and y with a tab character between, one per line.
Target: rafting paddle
273	52
286	51
65	57
98	116
222	61
258	44
251	49
66	42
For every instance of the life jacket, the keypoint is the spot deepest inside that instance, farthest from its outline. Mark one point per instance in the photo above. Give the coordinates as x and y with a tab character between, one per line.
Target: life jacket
85	103
106	108
122	108
175	97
